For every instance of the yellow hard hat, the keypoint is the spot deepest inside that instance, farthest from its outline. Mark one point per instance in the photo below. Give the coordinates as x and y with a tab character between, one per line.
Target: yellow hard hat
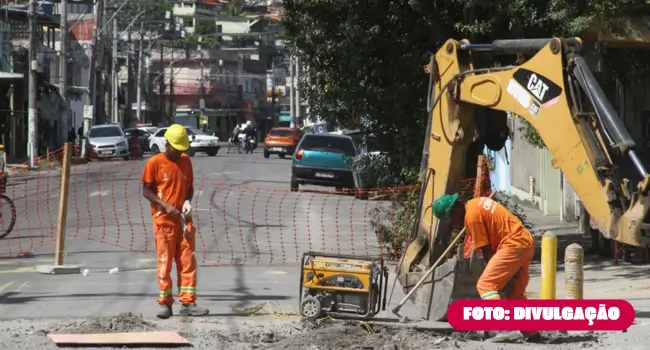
177	137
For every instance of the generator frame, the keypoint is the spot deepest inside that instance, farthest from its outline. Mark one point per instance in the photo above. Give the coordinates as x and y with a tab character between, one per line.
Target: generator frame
372	308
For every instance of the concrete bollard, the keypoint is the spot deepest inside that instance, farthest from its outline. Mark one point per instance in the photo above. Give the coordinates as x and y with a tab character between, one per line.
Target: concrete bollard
574	271
549	265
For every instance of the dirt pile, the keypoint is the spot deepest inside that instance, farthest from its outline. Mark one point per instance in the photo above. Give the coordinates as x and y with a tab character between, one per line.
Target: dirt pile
125	322
361	336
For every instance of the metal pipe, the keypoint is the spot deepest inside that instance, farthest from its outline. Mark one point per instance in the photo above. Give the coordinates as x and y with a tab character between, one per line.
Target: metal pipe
606	114
515	46
478	47
637	162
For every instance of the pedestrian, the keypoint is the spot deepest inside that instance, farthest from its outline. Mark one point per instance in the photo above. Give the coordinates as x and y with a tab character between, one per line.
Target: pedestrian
507	247
80	133
167	182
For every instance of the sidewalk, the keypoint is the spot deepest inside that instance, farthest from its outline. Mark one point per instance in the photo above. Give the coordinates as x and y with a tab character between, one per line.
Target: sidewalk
19	173
543	223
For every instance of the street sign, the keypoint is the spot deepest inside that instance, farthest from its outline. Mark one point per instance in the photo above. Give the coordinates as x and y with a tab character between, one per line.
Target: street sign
88	112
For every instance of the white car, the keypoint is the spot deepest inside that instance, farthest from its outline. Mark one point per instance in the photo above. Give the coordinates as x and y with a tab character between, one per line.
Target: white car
199	142
108	141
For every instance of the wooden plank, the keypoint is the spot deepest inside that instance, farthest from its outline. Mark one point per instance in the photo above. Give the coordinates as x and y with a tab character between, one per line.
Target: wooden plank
131	338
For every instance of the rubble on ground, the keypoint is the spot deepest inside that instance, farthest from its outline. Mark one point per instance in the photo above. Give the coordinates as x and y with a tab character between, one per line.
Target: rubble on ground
246	333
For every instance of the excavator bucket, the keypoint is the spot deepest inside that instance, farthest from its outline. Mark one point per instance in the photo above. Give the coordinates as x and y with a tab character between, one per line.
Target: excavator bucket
456	278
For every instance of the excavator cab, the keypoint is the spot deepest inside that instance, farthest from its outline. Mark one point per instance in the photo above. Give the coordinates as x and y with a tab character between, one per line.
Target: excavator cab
553	89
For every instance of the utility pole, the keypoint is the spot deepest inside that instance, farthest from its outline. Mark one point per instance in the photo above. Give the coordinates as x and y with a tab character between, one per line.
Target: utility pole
63	82
162	77
171	29
115	118
129	82
202	88
172	110
273	96
291	97
32	121
297	119
105	64
138	112
91	96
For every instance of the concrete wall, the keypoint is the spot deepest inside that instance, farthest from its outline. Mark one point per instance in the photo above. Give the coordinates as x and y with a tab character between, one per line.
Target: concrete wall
524	163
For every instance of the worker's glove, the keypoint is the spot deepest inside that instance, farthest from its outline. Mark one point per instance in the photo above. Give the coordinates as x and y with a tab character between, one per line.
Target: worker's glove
187	208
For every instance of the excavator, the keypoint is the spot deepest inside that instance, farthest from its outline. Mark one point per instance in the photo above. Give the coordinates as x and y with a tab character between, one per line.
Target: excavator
552	88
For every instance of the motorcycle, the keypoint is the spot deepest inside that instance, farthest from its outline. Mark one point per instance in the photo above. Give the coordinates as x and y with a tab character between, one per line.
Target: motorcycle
249	144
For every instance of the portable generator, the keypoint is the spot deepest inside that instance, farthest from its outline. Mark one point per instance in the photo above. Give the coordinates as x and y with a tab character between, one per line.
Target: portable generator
342	285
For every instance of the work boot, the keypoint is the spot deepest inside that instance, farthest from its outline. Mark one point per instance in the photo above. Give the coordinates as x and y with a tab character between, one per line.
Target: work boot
193	310
165	312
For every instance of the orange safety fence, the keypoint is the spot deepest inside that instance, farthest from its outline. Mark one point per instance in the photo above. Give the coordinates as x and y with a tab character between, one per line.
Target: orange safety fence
236	223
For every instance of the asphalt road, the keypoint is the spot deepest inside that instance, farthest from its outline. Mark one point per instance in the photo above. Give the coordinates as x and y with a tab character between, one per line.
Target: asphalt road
248	223
244	212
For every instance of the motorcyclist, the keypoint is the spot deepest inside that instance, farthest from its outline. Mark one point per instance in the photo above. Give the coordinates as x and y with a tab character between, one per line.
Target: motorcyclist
248	131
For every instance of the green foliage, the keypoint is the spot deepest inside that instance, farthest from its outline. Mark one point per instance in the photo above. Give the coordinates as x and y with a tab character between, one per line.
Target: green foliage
206	30
394	223
363	64
364	57
531	135
233	8
145	10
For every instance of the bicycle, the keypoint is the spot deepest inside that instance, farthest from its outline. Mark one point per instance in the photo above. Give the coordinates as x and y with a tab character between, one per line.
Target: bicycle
12	222
233	142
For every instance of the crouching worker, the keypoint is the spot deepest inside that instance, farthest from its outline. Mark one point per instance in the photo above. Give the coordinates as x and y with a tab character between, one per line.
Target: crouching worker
167	182
507	247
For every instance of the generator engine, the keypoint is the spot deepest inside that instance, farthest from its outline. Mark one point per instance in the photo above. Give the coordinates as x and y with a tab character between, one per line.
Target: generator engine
342	285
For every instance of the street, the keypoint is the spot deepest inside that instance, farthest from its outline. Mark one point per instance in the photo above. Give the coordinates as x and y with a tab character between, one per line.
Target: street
252	231
243	210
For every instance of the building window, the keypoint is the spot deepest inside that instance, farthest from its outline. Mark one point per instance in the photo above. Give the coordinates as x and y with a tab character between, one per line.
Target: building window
188	22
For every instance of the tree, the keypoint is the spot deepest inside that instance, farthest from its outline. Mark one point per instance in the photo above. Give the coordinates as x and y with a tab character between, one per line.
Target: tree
205	29
147	11
233	8
365	58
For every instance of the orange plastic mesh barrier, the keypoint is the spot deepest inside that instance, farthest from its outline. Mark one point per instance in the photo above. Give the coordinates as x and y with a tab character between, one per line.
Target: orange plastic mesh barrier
236	224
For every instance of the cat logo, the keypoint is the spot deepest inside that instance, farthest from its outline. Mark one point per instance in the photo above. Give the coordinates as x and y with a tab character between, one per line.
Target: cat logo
543	89
537	87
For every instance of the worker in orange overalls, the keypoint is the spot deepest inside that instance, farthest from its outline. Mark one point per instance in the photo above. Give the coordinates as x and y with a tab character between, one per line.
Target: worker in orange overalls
507	247
167	182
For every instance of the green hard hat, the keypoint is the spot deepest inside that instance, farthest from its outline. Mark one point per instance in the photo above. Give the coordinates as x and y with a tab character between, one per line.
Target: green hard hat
442	205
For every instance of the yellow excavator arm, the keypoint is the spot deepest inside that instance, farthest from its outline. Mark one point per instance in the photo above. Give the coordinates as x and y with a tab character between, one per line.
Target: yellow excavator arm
556	93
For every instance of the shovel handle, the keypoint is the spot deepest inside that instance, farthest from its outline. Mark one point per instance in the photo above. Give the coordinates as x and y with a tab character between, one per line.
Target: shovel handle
435	265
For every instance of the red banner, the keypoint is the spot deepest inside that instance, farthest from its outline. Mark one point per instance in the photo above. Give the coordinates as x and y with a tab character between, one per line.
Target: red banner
541	315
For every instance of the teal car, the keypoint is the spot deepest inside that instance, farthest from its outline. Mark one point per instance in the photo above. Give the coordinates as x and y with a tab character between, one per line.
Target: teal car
325	160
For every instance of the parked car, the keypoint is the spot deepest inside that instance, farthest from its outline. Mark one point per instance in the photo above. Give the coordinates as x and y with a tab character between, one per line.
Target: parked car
281	141
327	160
199	142
108	141
145	133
